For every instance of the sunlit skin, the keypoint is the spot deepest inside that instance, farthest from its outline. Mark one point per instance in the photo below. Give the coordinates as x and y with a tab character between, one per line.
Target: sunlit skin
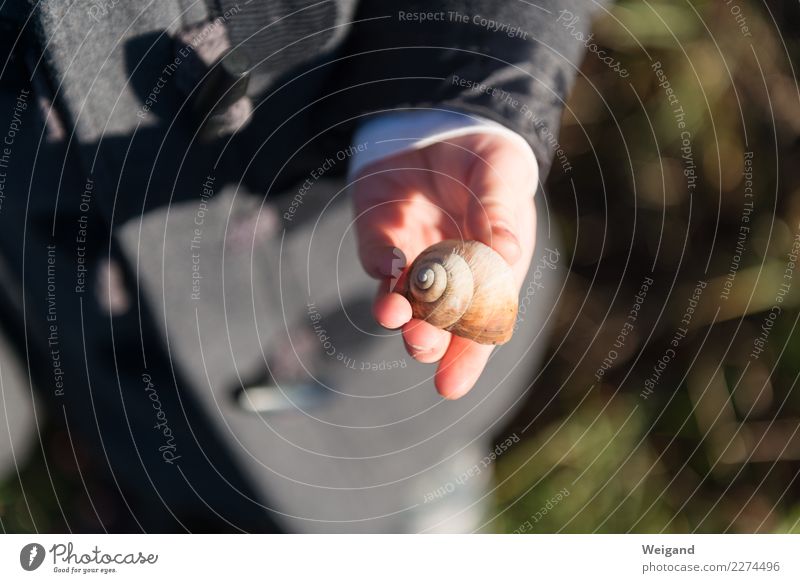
479	186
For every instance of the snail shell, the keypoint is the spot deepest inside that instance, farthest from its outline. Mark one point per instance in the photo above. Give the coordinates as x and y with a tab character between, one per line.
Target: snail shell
465	287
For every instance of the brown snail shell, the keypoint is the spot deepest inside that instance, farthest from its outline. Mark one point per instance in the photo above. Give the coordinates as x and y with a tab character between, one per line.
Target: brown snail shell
465	287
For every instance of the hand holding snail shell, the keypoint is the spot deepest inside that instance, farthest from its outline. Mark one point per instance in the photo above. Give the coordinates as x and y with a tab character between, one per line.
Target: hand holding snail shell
476	186
464	287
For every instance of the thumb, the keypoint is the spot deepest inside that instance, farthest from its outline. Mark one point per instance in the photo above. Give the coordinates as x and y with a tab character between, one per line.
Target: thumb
502	183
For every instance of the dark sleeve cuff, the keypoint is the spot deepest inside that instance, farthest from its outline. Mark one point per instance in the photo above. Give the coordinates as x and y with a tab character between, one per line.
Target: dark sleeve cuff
509	62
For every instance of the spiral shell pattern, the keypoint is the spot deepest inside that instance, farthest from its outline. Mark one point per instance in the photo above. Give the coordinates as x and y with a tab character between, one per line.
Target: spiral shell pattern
464	287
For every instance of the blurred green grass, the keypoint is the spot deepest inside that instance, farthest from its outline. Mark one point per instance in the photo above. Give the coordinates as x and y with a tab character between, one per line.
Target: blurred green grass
715	448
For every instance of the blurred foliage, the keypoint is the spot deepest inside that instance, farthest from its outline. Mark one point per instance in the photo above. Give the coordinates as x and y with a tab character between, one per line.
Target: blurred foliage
48	494
716	447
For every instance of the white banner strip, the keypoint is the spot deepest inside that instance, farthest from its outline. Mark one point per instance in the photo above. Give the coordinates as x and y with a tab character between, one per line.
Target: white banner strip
400	558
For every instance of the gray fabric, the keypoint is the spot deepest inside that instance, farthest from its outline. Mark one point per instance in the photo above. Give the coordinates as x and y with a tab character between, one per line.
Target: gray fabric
87	58
97	65
280	34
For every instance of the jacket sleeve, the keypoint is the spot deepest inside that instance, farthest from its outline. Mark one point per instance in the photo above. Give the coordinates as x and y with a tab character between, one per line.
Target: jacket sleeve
510	61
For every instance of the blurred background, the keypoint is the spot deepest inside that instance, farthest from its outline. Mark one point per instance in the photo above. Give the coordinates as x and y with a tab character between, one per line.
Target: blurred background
704	437
680	165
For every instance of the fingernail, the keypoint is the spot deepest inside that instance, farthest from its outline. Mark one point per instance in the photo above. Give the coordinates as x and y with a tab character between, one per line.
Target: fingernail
418	348
503	229
503	232
417	351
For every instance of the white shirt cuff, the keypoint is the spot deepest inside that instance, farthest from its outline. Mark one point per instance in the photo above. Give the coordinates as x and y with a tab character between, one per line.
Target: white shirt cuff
392	133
